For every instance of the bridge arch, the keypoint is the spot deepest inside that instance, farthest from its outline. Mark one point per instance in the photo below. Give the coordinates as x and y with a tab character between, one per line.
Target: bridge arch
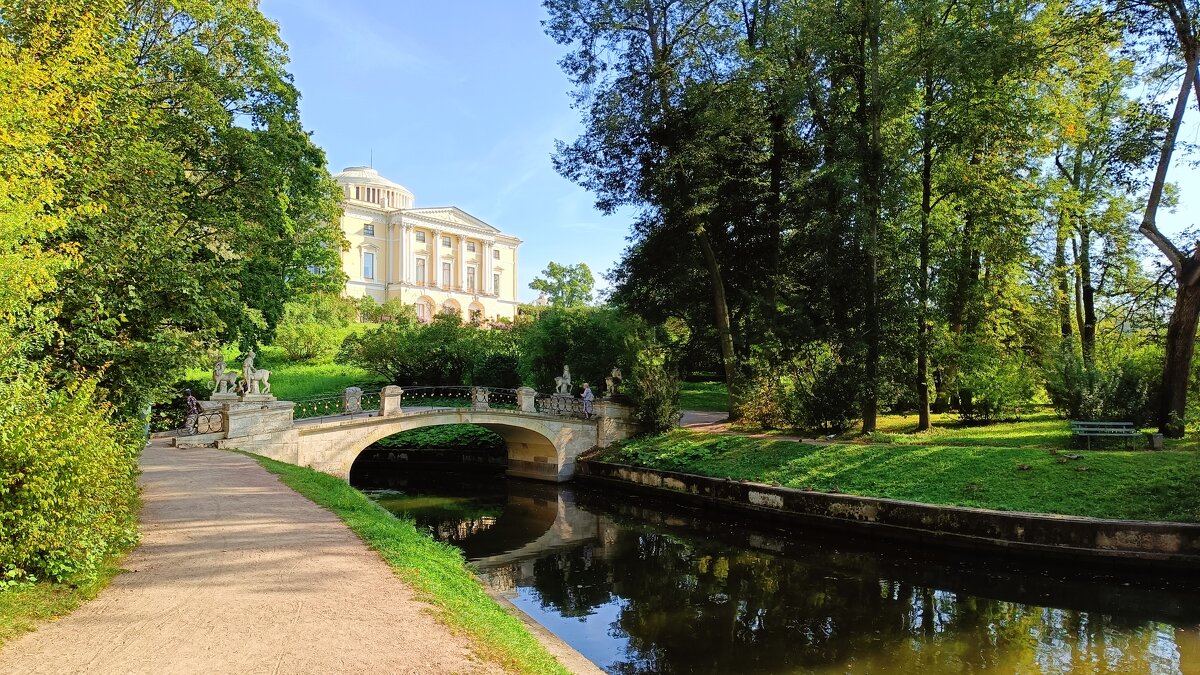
540	445
530	443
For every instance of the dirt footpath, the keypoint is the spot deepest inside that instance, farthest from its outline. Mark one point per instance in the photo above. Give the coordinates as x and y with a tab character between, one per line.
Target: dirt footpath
237	573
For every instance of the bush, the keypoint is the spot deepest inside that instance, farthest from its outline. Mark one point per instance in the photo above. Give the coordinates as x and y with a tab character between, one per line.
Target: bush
68	481
1126	389
814	389
996	391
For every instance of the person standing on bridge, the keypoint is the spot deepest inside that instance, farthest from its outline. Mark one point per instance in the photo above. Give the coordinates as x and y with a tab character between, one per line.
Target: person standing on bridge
587	397
191	408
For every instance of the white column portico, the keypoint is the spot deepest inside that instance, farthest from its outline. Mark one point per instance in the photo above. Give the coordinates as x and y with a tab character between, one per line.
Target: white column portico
414	235
462	262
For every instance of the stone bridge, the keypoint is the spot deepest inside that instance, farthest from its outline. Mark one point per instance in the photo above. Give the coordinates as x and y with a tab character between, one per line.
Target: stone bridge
541	445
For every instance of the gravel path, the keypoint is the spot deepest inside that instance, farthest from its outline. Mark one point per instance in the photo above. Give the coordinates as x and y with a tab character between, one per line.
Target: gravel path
237	573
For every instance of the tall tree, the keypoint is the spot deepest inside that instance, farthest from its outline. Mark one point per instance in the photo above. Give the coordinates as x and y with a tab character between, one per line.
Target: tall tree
565	285
1172	26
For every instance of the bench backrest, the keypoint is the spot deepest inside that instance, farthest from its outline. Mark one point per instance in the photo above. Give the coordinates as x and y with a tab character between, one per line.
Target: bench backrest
1102	427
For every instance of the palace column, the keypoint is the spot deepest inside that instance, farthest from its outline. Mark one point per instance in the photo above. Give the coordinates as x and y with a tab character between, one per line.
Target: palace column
491	267
402	247
462	262
435	263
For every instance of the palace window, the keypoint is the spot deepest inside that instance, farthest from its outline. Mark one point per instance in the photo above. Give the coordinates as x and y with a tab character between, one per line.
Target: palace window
369	230
470	247
357	192
496	254
368	265
470	278
495	283
446	242
420	237
421	271
422	310
447	279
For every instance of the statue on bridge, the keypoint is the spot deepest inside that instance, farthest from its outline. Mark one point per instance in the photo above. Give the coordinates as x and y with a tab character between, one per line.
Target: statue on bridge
562	385
252	378
223	380
613	383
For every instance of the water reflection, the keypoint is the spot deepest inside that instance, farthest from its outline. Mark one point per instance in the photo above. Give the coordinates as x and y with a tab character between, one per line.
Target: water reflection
639	587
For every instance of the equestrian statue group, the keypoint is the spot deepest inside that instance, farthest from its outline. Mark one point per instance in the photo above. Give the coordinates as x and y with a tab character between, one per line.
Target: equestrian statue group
254	381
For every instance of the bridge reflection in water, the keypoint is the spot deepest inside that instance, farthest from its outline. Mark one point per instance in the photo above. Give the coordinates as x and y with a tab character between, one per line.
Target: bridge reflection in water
642	587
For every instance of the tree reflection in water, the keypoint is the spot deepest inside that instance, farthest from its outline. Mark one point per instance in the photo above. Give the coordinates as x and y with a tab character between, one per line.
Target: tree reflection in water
697	596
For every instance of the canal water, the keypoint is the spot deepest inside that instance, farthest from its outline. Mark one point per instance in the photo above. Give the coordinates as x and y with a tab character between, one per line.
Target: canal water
642	586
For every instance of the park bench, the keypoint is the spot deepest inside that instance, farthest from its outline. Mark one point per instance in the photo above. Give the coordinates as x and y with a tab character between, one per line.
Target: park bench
1104	430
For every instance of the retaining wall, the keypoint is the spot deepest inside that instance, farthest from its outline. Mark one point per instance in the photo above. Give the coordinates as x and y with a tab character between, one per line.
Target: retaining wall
1117	542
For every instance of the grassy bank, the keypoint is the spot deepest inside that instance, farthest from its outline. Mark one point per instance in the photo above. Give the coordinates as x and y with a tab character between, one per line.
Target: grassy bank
704	396
436	570
22	608
1110	484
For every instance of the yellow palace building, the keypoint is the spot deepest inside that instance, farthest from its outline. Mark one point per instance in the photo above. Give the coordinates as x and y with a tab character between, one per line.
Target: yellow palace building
436	259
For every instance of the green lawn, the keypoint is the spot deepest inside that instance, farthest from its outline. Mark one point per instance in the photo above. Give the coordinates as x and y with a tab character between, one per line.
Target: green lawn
23	607
704	396
292	380
437	571
1105	484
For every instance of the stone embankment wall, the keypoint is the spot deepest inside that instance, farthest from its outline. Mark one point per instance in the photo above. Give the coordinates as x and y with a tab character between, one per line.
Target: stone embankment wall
1119	542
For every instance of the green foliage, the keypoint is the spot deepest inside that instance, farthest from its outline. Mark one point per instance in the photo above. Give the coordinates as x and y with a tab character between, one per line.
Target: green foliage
310	327
993	388
813	390
1133	485
68	481
436	570
444	351
566	285
449	436
591	340
1124	387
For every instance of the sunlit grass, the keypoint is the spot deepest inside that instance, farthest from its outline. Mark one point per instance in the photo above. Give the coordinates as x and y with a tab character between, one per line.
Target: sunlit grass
704	396
1136	485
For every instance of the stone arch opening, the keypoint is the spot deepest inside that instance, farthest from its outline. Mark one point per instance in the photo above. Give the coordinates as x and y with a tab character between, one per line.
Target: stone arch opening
529	451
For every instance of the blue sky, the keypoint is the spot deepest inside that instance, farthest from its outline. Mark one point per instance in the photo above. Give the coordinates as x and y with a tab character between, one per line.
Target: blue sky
461	101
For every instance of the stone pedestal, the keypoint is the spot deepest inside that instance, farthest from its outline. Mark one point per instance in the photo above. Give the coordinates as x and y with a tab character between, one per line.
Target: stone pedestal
257	398
242	419
389	401
527	399
221	399
615	422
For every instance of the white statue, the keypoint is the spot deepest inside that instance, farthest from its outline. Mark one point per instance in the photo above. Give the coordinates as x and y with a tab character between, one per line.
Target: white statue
352	400
252	378
479	398
613	382
562	385
223	380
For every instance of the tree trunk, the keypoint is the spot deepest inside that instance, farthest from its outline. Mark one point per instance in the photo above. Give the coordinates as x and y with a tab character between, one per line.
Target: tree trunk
871	161
1181	344
724	330
923	423
1062	295
1181	331
1087	329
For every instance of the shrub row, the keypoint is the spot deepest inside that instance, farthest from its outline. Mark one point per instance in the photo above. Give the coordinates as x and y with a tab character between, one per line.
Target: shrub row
68	481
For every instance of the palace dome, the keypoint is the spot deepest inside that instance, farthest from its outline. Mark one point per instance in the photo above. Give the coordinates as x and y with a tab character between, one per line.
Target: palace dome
364	177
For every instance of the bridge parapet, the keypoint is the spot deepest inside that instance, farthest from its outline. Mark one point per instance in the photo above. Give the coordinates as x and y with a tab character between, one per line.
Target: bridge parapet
543	441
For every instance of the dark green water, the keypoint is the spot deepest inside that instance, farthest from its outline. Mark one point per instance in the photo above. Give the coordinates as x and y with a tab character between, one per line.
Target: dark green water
639	586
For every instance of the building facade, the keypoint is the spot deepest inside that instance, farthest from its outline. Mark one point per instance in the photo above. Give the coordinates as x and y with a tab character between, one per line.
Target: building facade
436	259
